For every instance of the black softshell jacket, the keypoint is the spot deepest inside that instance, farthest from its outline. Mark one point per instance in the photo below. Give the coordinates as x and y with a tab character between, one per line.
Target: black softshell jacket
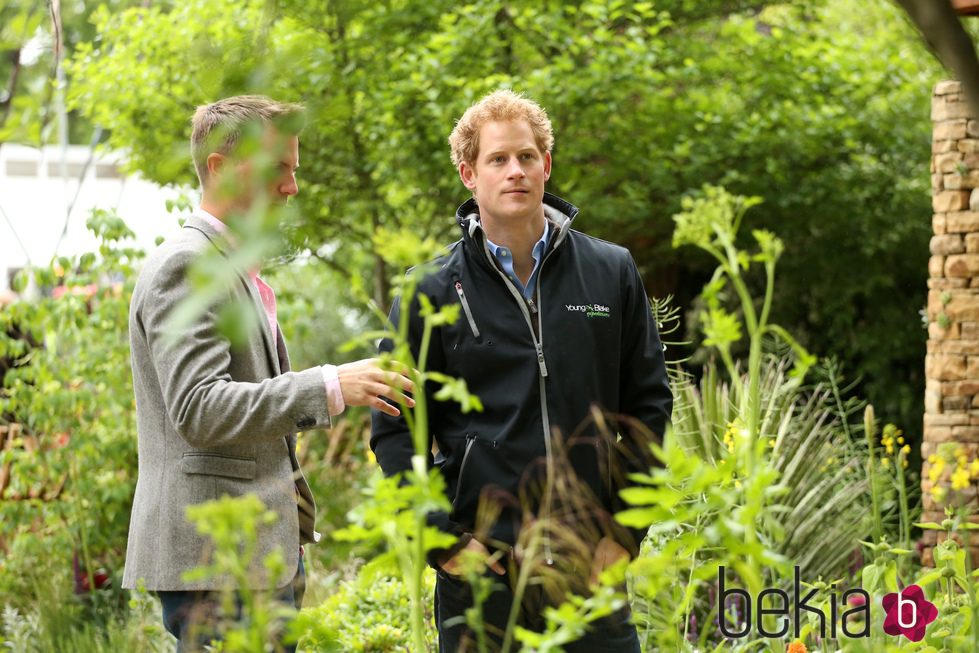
587	339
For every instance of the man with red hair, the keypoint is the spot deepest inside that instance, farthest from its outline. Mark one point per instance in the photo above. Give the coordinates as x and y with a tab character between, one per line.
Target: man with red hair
553	324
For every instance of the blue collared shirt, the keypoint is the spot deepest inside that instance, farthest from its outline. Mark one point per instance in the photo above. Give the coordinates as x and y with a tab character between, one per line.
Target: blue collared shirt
505	257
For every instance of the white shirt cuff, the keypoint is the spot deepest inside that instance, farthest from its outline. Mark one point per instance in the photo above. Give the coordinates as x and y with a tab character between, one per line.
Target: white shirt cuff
334	395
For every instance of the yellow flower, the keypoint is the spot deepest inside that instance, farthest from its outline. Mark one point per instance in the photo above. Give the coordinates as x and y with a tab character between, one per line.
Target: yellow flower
960	479
734	429
938	493
906	449
885	462
936	469
974	468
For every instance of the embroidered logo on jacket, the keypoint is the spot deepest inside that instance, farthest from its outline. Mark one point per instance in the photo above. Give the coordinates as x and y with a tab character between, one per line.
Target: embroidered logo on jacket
590	310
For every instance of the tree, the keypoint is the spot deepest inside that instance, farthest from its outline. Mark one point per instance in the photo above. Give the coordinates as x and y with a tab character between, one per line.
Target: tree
30	33
813	106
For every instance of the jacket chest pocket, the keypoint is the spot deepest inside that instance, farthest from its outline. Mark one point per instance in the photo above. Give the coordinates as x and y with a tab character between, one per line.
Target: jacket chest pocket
467	313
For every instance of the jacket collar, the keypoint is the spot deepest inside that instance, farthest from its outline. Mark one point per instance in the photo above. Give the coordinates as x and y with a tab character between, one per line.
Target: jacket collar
559	212
219	239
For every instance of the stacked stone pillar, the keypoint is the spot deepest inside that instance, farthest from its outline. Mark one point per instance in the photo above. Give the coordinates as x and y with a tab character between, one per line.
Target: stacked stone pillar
952	361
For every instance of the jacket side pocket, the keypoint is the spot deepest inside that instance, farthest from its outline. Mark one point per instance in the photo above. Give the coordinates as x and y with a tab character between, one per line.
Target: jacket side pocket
211	464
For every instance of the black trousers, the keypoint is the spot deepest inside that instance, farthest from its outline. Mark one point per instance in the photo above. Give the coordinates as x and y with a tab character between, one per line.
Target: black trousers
192	616
453	596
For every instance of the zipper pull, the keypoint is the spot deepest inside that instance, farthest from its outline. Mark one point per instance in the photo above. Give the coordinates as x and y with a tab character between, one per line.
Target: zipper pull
540	360
532	305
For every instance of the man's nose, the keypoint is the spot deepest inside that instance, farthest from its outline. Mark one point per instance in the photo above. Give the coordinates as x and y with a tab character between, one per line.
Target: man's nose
289	187
515	169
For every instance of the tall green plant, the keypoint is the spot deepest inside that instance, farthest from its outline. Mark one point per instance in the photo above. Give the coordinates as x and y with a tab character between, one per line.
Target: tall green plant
776	478
711	221
250	618
395	510
825	509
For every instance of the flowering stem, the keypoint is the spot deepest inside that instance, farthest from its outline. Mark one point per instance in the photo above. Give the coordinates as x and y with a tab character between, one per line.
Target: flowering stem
82	530
902	492
870	432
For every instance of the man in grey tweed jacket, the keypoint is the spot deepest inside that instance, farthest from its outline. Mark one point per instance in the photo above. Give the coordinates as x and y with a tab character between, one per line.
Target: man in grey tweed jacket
216	418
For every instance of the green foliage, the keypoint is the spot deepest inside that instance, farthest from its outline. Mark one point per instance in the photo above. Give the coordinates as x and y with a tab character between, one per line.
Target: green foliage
98	623
781	100
756	474
315	314
71	471
232	524
711	222
568	622
396	509
825	509
701	516
28	109
366	615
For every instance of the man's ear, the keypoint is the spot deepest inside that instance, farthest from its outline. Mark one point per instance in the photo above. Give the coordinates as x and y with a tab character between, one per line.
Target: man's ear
467	174
547	166
215	162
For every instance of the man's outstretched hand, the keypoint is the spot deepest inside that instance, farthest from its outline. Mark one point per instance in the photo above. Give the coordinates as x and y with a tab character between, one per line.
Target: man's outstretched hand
607	553
364	383
476	552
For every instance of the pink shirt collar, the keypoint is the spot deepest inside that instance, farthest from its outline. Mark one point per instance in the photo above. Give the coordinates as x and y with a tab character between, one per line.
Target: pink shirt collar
222	229
212	220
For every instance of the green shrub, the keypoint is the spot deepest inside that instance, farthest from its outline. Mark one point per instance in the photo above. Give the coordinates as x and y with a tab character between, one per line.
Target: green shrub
371	614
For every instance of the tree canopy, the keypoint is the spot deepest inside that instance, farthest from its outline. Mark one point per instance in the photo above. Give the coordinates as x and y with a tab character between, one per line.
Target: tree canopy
820	108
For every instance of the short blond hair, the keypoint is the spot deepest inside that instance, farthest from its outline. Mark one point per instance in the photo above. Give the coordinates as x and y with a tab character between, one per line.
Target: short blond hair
217	127
498	106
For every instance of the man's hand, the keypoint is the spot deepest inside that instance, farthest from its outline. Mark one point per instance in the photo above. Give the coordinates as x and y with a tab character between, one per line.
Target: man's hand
474	550
607	553
364	383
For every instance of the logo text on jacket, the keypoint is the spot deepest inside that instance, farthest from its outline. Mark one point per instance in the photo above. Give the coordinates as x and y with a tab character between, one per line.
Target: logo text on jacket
590	310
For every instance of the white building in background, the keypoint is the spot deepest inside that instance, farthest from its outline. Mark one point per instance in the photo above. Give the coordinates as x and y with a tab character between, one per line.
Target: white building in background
34	201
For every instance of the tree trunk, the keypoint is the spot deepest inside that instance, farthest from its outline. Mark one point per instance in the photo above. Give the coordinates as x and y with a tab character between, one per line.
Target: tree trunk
944	34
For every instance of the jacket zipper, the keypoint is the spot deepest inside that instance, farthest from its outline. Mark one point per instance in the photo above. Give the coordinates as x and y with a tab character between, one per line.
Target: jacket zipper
465	309
527	306
545	415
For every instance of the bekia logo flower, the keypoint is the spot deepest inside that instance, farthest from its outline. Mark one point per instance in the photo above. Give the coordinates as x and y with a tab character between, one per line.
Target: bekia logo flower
908	613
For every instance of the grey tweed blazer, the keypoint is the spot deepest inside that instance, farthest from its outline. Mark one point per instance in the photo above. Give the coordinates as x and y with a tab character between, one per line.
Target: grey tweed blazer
212	420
